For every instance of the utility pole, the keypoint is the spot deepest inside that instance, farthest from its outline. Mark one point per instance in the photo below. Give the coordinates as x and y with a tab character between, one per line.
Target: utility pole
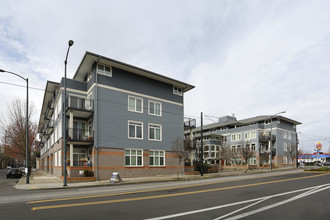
202	146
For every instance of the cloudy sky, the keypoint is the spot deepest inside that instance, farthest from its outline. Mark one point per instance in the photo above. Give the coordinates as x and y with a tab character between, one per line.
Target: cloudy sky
246	58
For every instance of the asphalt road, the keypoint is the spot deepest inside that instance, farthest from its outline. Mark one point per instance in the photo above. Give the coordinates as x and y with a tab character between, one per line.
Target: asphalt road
7	185
286	196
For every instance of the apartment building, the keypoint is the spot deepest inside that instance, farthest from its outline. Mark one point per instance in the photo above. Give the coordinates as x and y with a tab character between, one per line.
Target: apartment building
257	134
120	118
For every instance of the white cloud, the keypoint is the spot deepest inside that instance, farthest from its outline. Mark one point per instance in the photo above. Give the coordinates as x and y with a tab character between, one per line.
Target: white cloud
244	57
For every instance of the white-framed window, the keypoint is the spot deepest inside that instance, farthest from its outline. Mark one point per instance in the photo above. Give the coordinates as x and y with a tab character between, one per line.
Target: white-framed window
155	132
103	69
289	135
233	148
135	104
177	91
155	108
233	137
55	159
247	135
267	122
135	130
253	147
133	157
156	158
285	159
285	146
253	134
238	136
252	161
60	158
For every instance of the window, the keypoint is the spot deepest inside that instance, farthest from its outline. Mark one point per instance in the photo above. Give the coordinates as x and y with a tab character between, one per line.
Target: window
253	135
285	159
102	69
59	158
135	104
247	135
55	159
79	157
267	122
233	137
253	147
135	130
239	137
156	158
155	108
285	147
133	157
155	132
177	91
252	161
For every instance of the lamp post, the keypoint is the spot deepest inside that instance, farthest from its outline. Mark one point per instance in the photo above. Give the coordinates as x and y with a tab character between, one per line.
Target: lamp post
27	123
270	139
70	43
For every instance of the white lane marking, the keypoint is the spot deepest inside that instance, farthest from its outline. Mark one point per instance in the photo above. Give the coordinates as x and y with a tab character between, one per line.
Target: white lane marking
238	210
313	189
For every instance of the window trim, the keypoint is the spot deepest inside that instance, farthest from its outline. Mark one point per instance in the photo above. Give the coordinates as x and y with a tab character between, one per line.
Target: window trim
103	73
161	131
160	108
177	92
136	98
130	155
164	156
128	134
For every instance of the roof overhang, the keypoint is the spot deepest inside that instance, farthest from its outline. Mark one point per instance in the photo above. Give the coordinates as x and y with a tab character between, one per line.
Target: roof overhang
50	90
90	58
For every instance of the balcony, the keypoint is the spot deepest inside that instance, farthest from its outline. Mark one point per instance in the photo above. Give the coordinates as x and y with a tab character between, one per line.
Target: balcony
189	123
266	137
80	136
50	109
81	107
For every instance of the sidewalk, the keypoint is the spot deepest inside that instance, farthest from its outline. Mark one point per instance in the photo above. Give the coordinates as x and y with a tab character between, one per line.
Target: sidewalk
40	180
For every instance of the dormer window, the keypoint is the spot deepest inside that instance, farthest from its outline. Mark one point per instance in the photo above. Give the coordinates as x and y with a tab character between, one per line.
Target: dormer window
102	69
177	91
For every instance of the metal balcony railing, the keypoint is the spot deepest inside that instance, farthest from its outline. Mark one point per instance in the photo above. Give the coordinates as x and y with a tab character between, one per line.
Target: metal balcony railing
265	138
78	103
80	135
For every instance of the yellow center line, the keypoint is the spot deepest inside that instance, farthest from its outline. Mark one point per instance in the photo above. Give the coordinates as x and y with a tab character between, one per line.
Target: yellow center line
164	196
149	190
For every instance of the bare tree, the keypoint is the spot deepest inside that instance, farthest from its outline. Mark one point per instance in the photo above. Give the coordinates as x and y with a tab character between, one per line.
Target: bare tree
235	154
247	152
264	158
13	131
291	151
225	154
178	148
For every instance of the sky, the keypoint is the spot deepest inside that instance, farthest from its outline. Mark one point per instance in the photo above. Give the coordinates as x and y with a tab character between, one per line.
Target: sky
247	58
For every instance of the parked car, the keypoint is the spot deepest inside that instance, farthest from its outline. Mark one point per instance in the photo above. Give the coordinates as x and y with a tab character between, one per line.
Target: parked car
14	172
326	164
22	169
9	167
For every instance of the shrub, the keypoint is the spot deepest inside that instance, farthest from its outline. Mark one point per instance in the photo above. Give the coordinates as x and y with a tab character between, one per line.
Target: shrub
88	173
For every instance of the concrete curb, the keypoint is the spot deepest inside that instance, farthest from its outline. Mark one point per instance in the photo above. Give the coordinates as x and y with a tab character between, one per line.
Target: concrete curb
21	185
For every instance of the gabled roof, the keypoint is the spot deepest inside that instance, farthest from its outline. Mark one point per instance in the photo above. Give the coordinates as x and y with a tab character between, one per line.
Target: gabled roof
90	58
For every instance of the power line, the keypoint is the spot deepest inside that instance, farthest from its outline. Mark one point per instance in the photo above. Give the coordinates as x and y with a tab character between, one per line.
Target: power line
101	100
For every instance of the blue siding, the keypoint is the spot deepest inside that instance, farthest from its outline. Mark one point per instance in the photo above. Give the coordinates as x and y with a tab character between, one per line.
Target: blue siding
113	117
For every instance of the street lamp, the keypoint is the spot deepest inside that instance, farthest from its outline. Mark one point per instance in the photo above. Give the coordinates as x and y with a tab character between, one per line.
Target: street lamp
270	139
27	122
70	43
